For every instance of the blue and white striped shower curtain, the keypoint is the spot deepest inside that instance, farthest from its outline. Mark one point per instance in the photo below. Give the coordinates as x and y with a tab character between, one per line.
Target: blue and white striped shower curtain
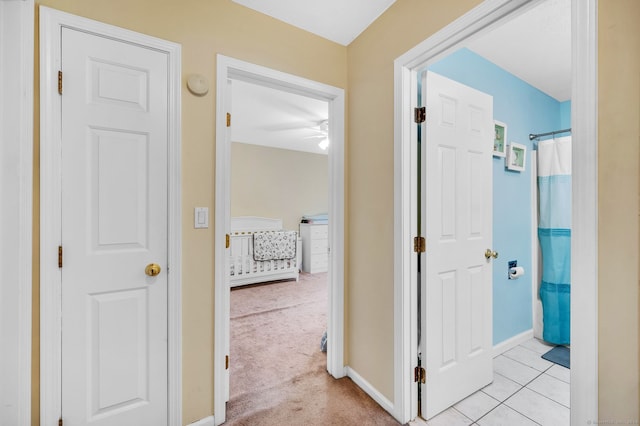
554	233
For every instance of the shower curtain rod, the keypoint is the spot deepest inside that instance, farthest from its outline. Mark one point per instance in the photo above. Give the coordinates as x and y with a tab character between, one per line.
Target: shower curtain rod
536	136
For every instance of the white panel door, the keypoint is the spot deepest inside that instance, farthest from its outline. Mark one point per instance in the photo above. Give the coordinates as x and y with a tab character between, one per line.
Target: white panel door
456	346
114	223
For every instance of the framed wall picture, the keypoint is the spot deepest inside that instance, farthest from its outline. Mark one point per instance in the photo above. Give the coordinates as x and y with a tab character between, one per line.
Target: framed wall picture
516	157
499	139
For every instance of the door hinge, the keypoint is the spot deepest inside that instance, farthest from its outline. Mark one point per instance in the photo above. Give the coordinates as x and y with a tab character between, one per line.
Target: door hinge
59	256
420	114
419	375
226	362
419	245
60	82
60	422
228	120
226	241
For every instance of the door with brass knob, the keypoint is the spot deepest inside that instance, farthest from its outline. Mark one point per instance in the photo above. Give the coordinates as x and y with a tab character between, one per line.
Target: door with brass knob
490	253
152	269
114	216
456	340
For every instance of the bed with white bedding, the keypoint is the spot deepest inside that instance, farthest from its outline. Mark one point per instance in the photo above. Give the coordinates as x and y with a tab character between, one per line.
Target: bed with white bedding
260	250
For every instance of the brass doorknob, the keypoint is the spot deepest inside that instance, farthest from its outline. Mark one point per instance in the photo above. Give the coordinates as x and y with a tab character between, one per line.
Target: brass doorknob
490	253
152	269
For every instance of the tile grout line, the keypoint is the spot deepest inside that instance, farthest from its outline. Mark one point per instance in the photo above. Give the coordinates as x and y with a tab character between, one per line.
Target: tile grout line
522	387
550	399
525	386
540	373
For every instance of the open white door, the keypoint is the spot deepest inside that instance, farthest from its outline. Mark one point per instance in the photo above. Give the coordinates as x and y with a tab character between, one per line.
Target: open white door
456	279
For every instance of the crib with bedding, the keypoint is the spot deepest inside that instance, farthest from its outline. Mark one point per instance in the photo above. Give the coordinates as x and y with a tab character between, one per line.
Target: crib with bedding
260	251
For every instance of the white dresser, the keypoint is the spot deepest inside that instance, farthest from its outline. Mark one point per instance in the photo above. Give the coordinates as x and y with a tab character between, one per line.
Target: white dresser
315	245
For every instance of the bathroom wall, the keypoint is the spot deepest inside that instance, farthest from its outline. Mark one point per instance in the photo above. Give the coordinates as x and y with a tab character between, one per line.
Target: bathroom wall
524	109
565	115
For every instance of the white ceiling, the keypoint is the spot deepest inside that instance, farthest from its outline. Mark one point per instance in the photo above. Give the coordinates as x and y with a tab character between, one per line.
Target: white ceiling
340	21
270	117
534	46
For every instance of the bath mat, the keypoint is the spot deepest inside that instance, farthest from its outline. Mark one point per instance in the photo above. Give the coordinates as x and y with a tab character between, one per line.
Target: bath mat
559	355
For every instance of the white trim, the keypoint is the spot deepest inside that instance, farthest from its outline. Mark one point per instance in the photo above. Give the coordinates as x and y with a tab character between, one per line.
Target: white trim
51	22
230	68
536	265
584	116
16	69
584	234
511	343
369	390
207	421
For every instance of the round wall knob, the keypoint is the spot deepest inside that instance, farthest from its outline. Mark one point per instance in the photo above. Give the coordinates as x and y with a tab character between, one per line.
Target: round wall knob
152	269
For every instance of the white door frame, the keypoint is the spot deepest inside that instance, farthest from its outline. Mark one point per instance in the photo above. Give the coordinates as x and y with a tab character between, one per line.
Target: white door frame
584	318
230	68
16	190
51	23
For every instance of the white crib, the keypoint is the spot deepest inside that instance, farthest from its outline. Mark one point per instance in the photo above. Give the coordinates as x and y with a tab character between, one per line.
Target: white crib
243	269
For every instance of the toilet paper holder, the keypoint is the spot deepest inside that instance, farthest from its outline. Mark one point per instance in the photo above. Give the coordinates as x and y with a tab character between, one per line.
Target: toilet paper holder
511	264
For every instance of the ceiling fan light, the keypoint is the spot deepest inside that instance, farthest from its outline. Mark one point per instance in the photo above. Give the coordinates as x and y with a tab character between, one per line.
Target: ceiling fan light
324	144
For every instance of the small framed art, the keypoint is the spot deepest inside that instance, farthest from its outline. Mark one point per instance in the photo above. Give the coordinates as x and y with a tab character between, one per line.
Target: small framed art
516	157
499	139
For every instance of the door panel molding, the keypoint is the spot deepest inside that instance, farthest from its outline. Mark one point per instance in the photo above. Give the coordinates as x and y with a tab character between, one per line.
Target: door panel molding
584	371
51	23
230	68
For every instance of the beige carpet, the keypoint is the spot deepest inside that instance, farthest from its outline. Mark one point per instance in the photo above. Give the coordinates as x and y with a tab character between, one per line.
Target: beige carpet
278	373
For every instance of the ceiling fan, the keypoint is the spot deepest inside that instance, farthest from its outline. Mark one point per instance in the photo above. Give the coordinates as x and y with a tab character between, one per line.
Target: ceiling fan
313	130
322	133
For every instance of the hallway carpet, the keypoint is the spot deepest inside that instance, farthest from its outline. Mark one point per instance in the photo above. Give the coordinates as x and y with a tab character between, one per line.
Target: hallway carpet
278	373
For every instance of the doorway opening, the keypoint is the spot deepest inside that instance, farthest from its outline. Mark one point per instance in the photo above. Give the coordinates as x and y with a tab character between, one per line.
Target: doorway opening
235	70
537	100
583	118
279	188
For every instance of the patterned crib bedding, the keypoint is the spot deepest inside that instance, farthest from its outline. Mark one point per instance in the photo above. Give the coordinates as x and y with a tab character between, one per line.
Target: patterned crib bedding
274	245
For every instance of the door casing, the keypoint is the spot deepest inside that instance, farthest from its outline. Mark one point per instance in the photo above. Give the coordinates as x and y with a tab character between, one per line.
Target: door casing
230	68
16	220
584	115
51	22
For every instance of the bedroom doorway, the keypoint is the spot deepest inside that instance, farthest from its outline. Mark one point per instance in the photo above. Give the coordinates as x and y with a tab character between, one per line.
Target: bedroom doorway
232	71
278	188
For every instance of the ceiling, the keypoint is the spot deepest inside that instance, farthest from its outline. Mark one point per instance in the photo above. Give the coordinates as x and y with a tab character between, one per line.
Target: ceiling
275	118
534	46
340	21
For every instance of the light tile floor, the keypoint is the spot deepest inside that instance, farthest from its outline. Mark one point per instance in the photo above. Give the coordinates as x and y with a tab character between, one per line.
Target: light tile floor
526	390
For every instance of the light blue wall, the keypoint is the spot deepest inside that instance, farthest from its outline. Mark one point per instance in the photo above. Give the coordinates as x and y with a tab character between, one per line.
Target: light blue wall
524	109
565	115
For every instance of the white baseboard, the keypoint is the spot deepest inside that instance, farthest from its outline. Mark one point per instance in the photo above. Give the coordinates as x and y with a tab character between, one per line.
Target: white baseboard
511	343
207	421
370	390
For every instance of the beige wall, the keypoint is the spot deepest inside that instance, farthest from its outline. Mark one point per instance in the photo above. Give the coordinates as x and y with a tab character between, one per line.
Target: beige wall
207	27
204	28
278	183
370	185
370	189
618	190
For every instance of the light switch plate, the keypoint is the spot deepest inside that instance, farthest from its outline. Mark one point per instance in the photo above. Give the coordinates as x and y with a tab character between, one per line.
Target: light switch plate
201	217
